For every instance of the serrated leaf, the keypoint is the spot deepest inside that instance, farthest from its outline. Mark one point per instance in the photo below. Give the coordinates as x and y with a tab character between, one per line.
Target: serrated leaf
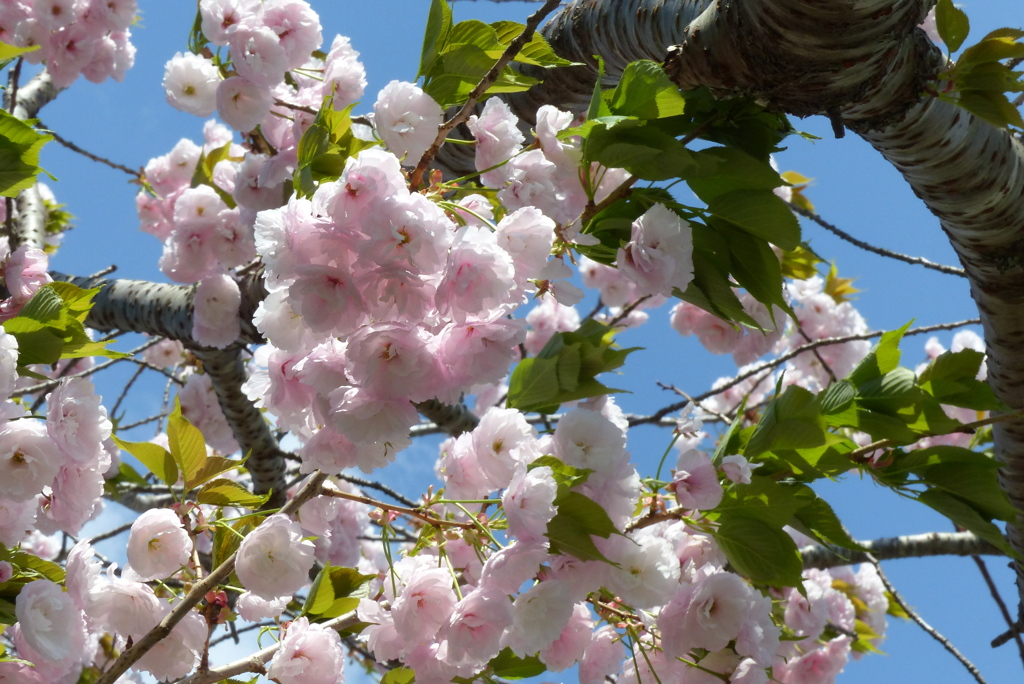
188	449
952	24
759	551
510	666
157	459
822	521
213	467
19	154
838	397
537	51
645	151
37	565
966	517
761	213
576	519
793	420
436	35
224	492
884	357
993	107
645	91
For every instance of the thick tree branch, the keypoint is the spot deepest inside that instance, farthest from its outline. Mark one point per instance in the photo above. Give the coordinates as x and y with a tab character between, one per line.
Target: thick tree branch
910	546
265	458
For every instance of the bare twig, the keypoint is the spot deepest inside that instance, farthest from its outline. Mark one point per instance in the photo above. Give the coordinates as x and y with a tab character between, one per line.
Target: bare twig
918	261
132	654
779	360
89	155
934	633
1000	603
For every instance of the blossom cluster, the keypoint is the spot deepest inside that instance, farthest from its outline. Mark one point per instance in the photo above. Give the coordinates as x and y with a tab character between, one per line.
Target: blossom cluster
381	298
87	37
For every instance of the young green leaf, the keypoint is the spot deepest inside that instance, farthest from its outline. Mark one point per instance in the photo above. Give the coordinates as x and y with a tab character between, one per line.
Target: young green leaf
952	24
223	492
157	459
19	154
188	449
759	551
577	518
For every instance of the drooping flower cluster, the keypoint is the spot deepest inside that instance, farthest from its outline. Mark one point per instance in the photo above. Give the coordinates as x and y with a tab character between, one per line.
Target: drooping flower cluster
87	37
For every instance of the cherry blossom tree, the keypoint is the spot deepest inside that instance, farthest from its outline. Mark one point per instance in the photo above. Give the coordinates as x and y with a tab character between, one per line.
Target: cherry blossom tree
352	272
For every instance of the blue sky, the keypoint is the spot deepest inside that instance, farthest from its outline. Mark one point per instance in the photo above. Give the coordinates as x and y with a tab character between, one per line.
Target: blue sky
853	188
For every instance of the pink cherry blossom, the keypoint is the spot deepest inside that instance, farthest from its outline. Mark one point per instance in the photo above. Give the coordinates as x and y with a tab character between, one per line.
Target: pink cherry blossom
308	654
190	82
257	53
215	321
407	120
707	614
603	656
498	139
29	460
274	559
539	616
568	648
695	482
424	605
658	258
476	626
175	655
158	544
76	421
49	620
529	502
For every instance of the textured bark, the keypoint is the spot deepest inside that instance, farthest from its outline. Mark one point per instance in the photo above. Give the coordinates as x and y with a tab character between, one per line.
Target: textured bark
161	309
863	63
266	460
30	221
910	546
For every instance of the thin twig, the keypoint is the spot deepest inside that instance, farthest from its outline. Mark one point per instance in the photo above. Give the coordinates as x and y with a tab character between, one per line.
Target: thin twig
405	510
779	360
881	251
85	153
1003	610
934	633
50	384
383	488
110	533
199	590
965	428
474	96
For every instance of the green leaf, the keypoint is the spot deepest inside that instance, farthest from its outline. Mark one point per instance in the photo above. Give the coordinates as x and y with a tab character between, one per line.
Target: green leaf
196	39
952	24
952	379
754	265
537	51
157	459
534	382
223	492
400	675
645	151
214	466
819	518
435	38
10	51
975	482
966	517
508	665
759	551
646	92
19	154
577	518
335	591
203	174
761	213
36	565
566	476
884	357
993	107
792	421
838	397
188	449
458	71
565	369
726	169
